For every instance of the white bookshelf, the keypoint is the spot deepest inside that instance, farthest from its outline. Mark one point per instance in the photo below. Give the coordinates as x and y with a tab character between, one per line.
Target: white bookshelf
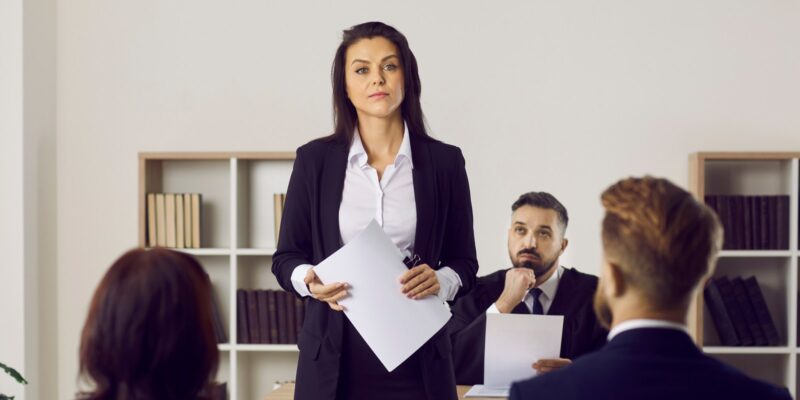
237	244
776	270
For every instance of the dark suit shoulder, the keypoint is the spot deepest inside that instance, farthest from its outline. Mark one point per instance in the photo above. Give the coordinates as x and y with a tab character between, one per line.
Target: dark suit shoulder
318	147
447	156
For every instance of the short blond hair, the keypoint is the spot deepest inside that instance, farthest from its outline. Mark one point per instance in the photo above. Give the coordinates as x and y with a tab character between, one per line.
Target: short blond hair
663	239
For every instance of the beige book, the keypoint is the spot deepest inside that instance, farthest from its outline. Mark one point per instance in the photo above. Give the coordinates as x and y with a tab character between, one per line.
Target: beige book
161	221
151	220
179	232
169	201
196	216
187	220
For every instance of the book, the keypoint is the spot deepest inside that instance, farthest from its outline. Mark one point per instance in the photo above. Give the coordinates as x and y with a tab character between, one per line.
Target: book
782	223
187	221
252	317
152	239
735	312
749	314
179	240
242	330
161	221
765	223
273	316
263	320
197	200
748	223
169	202
719	315
280	306
762	312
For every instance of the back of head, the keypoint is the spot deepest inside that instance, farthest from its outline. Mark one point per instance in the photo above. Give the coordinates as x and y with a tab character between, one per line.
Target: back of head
149	331
664	241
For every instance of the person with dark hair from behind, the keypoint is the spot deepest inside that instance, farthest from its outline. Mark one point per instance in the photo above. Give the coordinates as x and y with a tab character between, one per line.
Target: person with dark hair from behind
536	284
659	246
149	332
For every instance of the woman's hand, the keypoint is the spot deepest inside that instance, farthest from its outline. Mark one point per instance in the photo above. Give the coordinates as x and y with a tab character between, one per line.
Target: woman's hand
419	282
330	293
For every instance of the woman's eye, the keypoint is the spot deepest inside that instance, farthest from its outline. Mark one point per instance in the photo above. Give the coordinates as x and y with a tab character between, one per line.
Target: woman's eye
362	70
390	67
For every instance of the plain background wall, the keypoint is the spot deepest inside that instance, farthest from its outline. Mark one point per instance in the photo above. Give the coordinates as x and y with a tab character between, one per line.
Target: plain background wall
564	96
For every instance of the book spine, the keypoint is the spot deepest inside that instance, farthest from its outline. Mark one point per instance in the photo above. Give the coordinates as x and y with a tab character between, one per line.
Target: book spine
291	331
742	331
242	330
179	241
273	316
263	318
749	314
161	220
197	201
187	221
152	238
169	202
252	317
282	322
719	315
762	312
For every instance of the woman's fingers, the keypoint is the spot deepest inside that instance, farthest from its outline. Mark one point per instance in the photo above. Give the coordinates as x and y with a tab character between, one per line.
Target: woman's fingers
320	290
432	290
408	275
423	274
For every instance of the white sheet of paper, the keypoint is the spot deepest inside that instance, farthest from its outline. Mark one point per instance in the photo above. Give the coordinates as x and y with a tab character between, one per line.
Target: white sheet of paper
393	325
515	341
487	391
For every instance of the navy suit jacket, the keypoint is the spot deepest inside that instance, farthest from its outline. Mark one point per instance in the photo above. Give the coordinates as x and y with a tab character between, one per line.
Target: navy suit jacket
647	363
582	333
310	232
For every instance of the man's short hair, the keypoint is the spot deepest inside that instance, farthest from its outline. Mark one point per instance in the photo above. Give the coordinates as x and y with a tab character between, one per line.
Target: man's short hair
546	201
663	239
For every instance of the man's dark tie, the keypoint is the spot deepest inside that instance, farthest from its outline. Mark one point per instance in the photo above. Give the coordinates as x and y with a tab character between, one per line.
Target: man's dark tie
537	305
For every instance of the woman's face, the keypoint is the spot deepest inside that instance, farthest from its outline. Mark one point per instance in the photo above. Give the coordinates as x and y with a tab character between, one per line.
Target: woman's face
374	77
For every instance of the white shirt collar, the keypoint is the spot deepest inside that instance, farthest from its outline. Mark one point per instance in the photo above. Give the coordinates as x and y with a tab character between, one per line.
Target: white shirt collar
359	155
550	286
645	323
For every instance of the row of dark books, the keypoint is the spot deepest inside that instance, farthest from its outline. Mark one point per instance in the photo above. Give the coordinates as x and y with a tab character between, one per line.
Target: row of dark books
739	312
753	222
173	220
268	316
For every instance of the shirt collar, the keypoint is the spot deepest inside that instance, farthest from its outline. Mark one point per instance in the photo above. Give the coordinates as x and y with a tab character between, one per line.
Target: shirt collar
550	286
358	154
645	323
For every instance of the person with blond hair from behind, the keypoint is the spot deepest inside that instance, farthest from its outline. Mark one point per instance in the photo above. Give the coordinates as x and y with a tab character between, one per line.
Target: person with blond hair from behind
659	246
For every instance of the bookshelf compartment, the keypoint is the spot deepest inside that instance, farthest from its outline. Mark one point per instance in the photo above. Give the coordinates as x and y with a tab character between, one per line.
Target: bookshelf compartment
259	372
772	368
210	178
255	272
773	275
257	183
748	177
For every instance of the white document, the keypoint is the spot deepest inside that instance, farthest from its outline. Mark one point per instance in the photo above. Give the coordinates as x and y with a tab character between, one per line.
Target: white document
514	342
487	391
393	325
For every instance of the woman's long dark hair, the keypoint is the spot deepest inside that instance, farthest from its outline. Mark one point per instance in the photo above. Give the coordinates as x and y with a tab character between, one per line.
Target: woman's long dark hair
149	332
344	114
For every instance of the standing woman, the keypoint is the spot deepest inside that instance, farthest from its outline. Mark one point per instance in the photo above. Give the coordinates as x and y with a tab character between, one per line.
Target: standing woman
379	164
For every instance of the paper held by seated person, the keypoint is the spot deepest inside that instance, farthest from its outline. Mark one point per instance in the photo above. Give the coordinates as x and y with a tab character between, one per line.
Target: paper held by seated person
393	325
514	342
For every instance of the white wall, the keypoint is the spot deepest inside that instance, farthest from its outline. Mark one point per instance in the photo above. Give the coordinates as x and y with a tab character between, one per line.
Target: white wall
564	96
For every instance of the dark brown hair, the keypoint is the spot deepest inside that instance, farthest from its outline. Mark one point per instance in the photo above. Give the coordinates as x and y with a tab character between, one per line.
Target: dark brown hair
664	241
546	201
344	114
149	332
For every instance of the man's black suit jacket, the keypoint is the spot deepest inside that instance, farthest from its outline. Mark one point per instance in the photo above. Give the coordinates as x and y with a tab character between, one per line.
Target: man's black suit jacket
647	363
582	333
310	232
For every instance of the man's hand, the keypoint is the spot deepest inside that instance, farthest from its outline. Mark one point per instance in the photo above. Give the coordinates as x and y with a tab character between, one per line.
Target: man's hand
330	293
518	282
547	365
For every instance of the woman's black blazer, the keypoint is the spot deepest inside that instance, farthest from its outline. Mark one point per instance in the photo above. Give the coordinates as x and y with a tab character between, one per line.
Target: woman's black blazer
309	233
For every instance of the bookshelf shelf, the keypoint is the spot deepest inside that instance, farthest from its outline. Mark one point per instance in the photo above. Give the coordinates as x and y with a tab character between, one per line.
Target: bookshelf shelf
237	232
754	176
282	348
747	350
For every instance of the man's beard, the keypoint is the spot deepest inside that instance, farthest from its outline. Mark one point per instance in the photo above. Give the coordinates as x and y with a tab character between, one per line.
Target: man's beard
601	308
539	269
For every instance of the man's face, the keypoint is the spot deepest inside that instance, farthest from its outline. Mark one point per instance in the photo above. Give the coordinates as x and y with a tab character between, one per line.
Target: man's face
535	239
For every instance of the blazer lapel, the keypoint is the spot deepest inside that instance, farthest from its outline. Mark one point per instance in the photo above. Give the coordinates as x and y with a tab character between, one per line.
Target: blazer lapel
561	304
425	198
331	186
